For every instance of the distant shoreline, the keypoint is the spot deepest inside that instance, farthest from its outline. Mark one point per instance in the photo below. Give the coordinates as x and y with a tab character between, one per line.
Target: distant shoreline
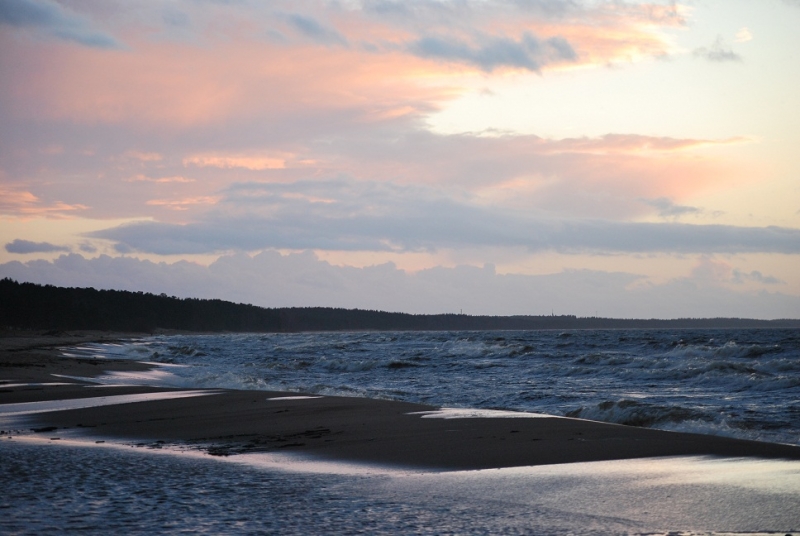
28	306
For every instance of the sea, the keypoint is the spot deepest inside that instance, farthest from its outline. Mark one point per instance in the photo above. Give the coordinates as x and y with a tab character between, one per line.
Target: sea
736	383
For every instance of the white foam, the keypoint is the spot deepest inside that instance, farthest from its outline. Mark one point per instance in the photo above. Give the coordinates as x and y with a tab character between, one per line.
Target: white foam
464	413
293	397
35	384
307	463
27	408
156	376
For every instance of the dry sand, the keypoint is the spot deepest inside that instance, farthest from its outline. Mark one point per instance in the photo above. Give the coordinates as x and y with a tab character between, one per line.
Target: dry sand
335	428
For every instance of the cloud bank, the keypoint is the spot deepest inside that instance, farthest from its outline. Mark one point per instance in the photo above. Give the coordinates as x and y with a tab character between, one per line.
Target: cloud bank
274	280
347	215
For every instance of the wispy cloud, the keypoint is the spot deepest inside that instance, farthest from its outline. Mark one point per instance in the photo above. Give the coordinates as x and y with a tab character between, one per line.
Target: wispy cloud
183	203
310	27
718	52
19	202
159	180
253	162
23	247
143	156
55	20
744	35
755	275
636	143
528	52
667	209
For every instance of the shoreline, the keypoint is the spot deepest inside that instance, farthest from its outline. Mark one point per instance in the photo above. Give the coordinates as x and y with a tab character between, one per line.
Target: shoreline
328	428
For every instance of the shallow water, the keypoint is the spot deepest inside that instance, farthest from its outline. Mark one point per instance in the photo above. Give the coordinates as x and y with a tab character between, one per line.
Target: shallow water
29	408
97	490
739	383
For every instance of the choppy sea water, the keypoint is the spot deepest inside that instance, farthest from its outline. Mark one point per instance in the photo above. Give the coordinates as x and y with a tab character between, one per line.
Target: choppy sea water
738	383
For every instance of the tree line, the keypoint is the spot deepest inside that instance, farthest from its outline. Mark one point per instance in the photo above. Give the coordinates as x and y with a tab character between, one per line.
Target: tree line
47	307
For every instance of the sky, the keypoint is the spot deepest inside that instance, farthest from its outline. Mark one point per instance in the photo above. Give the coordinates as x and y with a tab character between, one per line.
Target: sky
611	158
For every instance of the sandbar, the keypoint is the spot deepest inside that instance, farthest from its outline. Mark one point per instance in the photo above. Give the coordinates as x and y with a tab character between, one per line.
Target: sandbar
354	430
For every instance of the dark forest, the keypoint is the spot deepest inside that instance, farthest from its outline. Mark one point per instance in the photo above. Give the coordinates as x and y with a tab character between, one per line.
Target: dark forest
47	307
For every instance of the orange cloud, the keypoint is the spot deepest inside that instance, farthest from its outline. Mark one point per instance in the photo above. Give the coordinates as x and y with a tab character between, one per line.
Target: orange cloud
144	157
160	180
18	202
635	143
183	204
247	162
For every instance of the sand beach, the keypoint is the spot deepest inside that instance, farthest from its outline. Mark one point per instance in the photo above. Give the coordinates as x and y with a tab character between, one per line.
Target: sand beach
227	422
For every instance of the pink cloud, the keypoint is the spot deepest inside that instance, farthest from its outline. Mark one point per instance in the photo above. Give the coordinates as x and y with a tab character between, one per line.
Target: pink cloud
254	162
160	180
335	91
184	203
634	143
712	271
144	157
599	177
19	202
177	86
231	70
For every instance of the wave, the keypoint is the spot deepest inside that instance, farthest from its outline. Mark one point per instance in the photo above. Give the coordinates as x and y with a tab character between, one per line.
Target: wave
729	350
348	365
691	420
636	413
712	428
710	381
186	350
402	364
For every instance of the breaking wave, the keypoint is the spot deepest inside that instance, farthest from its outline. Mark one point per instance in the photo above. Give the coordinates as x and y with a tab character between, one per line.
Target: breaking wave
636	413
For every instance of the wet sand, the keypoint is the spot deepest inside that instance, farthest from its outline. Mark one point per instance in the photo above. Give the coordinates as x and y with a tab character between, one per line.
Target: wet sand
226	422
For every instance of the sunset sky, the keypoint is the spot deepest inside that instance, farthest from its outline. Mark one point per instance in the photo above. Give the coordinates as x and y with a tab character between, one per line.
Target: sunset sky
590	157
